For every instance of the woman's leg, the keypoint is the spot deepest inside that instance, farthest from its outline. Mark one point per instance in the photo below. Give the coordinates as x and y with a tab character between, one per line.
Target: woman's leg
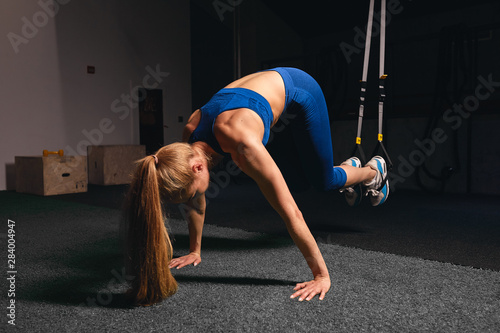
308	115
358	175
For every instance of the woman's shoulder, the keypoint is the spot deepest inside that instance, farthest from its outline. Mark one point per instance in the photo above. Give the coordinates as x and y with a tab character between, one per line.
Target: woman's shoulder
231	129
191	125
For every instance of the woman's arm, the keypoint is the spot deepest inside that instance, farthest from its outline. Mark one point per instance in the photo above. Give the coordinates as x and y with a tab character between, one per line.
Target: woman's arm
196	219
194	212
248	152
194	209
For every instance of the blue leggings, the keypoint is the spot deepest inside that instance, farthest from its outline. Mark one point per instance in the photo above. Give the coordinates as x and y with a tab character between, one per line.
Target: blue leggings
303	133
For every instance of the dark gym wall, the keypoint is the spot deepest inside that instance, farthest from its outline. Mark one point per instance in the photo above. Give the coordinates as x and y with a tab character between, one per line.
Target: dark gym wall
211	54
435	60
263	34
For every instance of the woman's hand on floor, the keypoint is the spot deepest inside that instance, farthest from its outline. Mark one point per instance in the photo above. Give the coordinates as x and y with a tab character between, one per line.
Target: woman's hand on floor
307	290
190	259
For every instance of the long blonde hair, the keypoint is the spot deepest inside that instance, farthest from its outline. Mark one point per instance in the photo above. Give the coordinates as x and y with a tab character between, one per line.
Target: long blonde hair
148	246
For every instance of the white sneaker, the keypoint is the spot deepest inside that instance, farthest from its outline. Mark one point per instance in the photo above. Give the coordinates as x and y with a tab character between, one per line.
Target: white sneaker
354	194
378	188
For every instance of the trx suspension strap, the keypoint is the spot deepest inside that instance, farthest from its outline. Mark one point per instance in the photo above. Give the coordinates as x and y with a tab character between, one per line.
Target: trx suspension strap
381	87
382	77
364	77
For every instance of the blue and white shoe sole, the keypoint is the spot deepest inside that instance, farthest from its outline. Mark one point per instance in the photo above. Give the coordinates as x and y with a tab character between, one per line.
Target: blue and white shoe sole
355	162
385	189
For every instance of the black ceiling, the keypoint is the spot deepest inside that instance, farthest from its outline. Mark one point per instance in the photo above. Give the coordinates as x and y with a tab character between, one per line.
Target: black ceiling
318	17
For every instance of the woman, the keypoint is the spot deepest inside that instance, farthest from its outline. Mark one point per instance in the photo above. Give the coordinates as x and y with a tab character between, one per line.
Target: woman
237	121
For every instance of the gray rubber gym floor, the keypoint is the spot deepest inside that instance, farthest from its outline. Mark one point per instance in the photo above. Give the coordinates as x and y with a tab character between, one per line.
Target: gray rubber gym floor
417	264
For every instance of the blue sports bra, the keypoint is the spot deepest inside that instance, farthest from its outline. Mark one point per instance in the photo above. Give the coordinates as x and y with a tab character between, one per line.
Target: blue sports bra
230	99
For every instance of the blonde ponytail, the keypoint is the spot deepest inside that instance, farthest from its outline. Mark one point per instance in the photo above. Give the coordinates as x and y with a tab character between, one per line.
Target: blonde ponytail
164	176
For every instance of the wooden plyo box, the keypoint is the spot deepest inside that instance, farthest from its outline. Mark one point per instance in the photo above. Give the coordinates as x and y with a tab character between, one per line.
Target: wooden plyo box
113	164
51	175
